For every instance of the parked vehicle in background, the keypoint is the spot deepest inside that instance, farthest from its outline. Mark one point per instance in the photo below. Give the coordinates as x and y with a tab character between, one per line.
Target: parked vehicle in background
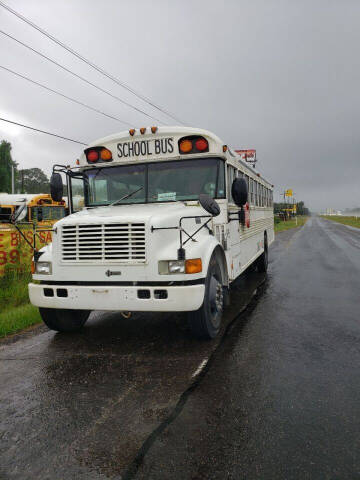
171	217
40	208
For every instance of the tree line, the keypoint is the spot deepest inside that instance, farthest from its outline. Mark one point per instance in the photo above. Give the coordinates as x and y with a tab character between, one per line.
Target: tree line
28	180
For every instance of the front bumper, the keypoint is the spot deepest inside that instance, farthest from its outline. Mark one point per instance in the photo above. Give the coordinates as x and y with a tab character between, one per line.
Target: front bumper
178	298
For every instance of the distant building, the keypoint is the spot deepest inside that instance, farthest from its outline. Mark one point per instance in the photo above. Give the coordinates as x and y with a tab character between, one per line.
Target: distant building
330	211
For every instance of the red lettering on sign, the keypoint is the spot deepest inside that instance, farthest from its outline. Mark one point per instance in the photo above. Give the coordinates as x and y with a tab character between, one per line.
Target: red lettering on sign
15	238
14	256
1	237
48	237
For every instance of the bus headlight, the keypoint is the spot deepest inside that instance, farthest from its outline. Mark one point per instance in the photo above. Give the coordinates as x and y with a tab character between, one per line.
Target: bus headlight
43	268
167	267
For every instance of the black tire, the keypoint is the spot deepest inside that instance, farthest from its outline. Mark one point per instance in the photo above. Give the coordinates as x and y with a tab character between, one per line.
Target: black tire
262	262
64	320
205	323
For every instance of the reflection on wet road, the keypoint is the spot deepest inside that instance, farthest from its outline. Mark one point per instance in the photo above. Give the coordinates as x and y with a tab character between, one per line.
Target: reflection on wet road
279	397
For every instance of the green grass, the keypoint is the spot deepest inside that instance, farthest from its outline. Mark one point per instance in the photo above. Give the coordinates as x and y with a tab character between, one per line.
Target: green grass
16	311
280	225
352	221
17	318
14	290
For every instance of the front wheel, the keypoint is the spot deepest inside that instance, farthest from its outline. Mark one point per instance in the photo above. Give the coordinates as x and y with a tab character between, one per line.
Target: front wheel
206	322
64	320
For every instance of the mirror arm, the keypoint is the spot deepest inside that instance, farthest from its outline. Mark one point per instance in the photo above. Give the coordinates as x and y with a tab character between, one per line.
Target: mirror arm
67	171
191	237
181	250
239	214
60	169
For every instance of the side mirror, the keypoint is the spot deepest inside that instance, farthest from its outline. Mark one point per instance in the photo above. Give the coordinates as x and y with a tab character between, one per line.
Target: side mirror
19	214
239	191
209	204
56	187
39	214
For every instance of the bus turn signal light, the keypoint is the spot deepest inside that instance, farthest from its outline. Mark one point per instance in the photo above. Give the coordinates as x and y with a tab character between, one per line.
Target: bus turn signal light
142	130
105	155
132	131
185	146
193	144
153	129
193	265
98	154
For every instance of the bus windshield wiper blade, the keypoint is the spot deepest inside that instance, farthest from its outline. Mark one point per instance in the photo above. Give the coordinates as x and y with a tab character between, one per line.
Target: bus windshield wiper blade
126	196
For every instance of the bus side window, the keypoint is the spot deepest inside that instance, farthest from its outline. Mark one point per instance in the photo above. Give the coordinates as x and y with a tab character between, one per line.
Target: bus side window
248	186
251	194
260	194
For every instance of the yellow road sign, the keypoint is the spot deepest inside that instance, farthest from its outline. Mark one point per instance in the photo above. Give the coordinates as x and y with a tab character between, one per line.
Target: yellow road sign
289	192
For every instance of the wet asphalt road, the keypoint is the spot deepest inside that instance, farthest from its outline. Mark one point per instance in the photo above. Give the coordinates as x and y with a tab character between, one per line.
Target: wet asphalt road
275	397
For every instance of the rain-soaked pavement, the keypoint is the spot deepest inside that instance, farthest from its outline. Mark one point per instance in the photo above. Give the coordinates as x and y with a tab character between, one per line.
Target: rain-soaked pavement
277	396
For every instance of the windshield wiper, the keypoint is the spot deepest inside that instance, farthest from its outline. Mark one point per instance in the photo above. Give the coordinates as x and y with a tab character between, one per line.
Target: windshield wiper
126	196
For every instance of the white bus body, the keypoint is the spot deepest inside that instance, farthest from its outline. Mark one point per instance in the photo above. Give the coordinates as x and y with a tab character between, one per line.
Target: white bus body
116	257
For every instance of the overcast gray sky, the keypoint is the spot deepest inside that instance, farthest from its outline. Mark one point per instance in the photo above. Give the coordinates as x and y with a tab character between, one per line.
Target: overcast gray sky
281	76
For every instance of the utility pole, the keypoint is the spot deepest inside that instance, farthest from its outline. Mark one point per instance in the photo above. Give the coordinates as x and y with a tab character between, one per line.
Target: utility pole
12	179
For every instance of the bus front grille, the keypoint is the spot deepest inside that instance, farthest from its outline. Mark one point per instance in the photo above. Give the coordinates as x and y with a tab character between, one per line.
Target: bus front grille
103	243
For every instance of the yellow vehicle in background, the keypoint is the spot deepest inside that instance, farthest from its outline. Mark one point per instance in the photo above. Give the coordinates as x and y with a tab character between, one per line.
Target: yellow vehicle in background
40	208
26	222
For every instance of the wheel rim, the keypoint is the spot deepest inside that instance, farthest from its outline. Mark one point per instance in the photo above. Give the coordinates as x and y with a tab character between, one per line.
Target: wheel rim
216	299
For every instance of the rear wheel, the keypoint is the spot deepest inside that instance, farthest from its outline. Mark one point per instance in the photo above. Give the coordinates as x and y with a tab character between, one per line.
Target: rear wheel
206	322
262	262
64	320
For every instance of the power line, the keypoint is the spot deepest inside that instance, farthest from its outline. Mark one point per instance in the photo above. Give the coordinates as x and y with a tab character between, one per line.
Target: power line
64	96
79	76
88	62
42	131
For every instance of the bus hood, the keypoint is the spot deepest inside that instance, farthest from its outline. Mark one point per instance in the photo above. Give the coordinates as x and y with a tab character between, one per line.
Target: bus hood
158	214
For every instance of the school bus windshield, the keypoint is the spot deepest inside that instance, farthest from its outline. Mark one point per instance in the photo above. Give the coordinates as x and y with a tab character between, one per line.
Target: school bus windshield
155	182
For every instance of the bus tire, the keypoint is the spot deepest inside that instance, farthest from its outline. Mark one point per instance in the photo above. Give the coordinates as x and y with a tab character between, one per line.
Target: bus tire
64	320
262	262
205	323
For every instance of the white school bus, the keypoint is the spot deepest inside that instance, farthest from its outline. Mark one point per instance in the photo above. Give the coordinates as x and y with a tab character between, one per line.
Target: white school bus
171	217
